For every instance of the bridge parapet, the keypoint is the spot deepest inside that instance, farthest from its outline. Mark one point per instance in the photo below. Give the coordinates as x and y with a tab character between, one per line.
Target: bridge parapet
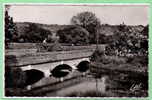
46	57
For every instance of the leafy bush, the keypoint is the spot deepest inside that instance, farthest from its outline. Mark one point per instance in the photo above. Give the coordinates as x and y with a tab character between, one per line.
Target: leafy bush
34	34
55	47
128	42
42	47
138	60
99	56
74	35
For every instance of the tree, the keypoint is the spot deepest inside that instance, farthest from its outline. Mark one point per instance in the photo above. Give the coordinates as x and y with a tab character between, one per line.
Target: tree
35	34
145	30
10	29
74	35
89	21
127	40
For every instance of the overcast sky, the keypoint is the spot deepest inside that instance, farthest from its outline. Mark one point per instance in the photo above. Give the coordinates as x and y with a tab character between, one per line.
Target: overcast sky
61	14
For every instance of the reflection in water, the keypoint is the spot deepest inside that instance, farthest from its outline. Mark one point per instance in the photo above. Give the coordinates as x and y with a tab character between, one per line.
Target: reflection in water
104	83
89	85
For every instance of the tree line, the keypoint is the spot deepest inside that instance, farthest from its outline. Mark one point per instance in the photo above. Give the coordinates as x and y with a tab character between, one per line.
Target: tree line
83	30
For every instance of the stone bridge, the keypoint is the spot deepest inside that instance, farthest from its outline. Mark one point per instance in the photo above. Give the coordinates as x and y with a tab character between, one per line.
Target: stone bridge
48	66
46	61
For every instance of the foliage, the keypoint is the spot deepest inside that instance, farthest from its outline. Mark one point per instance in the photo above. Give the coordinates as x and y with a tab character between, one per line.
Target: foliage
103	39
127	42
74	35
43	47
145	31
51	39
55	47
35	34
89	21
10	29
97	55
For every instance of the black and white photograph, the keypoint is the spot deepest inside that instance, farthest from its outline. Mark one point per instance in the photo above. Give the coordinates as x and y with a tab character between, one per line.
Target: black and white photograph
76	50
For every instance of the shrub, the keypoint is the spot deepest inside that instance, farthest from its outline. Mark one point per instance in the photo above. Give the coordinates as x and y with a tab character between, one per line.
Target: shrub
74	34
128	42
97	55
55	47
34	34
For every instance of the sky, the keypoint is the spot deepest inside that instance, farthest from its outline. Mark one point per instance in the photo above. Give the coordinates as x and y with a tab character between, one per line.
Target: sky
62	14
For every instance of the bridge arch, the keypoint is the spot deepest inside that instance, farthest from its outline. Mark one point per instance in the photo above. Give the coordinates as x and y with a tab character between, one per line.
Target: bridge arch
61	71
83	66
73	62
47	67
38	68
33	76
